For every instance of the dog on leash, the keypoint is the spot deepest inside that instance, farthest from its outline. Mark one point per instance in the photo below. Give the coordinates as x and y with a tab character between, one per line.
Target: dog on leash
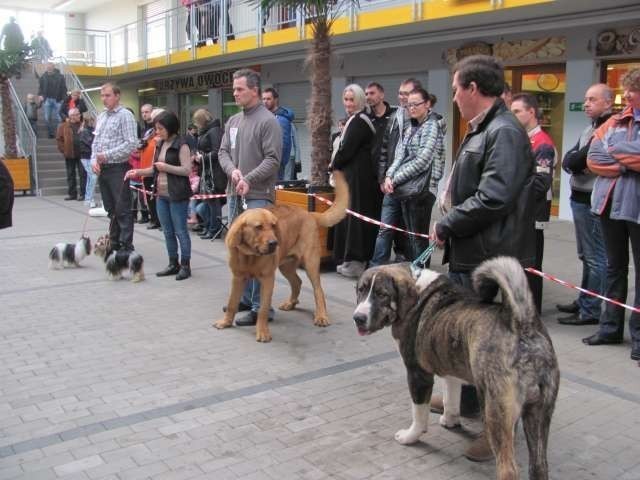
69	254
119	261
283	237
502	348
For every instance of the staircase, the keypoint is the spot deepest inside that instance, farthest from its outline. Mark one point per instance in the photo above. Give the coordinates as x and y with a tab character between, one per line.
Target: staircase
52	175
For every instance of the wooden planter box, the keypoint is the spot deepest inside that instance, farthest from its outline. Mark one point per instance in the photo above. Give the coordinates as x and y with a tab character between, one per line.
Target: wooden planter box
20	171
298	197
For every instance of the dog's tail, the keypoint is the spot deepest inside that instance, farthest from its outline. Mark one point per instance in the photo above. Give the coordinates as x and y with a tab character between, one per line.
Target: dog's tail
507	275
54	257
338	210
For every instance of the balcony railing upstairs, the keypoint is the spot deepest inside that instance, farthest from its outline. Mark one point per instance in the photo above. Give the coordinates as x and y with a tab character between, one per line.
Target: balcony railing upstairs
225	26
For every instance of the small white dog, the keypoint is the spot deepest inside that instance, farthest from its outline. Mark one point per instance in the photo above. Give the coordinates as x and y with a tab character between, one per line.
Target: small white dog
68	254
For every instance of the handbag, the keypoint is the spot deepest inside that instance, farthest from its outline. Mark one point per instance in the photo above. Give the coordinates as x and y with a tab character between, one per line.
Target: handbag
415	187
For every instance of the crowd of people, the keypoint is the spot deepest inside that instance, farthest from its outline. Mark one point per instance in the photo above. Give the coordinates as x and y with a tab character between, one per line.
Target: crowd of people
495	200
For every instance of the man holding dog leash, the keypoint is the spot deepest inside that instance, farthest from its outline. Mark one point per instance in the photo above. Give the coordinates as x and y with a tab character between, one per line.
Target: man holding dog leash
115	138
488	202
250	155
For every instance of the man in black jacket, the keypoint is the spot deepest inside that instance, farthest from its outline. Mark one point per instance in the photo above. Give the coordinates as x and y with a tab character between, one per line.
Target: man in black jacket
489	198
585	310
52	91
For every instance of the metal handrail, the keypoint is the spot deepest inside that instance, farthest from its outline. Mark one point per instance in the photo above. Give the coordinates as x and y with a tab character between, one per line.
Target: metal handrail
25	137
74	83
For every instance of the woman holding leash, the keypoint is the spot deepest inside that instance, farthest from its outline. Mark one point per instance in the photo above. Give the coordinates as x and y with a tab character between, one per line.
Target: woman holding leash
170	169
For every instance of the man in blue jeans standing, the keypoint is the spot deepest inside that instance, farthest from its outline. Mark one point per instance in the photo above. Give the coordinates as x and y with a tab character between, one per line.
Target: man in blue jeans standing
585	310
52	90
250	155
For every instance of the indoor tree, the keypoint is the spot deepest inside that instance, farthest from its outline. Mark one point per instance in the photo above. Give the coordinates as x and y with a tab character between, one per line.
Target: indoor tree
320	15
11	64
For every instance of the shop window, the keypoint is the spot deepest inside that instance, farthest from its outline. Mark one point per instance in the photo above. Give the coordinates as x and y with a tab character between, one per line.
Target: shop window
612	74
229	107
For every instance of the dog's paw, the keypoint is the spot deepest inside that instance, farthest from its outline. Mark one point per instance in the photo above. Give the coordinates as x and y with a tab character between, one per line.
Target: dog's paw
408	436
224	323
288	305
263	336
321	321
450	421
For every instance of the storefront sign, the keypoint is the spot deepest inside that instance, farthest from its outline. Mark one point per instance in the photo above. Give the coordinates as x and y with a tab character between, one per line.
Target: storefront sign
576	106
624	41
551	49
199	81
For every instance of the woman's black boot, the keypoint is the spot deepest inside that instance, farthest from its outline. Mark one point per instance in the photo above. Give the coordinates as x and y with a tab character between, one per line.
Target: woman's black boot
185	270
171	269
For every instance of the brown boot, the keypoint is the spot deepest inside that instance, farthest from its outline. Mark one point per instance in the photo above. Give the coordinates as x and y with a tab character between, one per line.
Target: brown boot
479	450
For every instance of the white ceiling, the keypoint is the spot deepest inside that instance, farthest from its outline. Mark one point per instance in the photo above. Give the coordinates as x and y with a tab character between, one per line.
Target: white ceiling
78	6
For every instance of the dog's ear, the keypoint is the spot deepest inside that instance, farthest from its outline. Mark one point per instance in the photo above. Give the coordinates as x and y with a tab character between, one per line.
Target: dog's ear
406	294
234	235
274	224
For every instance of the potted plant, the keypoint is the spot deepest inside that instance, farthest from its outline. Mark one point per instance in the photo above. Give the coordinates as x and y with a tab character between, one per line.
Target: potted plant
320	15
11	64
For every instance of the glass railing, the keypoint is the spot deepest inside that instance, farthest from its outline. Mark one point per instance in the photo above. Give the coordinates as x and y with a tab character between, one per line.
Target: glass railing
152	41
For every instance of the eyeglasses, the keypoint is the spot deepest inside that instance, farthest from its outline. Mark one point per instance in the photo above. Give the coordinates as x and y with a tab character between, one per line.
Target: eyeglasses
415	105
403	93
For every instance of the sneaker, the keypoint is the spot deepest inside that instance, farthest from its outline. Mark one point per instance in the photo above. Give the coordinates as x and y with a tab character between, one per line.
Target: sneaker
342	266
249	319
353	270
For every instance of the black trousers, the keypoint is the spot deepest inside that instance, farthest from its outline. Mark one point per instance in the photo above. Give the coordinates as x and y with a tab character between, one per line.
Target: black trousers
618	235
535	282
416	214
116	196
151	200
73	165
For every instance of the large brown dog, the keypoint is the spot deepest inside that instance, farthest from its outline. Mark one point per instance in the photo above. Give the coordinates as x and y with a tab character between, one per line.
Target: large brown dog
261	240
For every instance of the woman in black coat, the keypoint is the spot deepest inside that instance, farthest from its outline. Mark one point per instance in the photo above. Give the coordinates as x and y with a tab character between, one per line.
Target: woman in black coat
212	177
354	239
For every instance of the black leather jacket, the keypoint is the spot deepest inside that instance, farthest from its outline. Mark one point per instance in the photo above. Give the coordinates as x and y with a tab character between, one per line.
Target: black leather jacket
492	196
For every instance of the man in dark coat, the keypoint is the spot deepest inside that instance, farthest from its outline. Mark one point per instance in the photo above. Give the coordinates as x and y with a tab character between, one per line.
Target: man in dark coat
52	91
489	196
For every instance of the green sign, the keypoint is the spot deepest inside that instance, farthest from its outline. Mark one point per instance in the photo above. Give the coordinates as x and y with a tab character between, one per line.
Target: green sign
576	106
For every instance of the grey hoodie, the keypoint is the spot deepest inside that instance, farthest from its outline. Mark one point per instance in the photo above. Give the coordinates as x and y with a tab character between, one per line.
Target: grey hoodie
252	143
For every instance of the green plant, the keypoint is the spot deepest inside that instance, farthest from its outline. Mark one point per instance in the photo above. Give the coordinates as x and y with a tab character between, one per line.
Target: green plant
320	14
11	64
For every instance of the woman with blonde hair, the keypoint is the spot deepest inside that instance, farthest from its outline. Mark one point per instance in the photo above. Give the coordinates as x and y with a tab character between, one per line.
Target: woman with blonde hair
213	180
354	240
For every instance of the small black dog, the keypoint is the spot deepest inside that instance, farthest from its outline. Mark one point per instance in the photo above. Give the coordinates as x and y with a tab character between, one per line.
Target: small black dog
117	261
69	254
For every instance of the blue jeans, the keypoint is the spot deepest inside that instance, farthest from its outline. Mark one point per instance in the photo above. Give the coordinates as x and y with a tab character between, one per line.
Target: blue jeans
51	114
591	252
391	214
210	211
173	218
618	234
251	294
92	178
